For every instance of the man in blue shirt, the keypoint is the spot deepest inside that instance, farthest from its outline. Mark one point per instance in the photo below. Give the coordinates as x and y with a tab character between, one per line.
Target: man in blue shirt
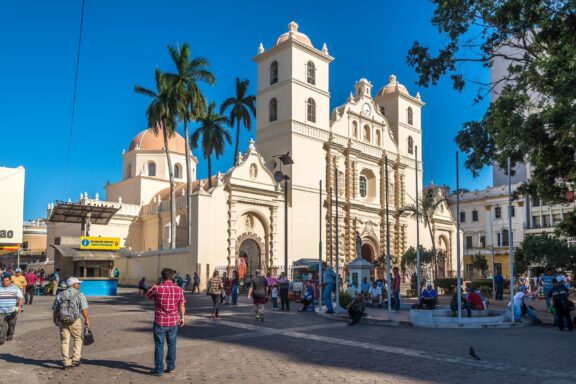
429	297
329	284
10	305
499	283
365	286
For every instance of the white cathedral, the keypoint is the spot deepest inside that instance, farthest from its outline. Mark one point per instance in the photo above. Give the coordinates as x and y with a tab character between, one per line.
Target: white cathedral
242	215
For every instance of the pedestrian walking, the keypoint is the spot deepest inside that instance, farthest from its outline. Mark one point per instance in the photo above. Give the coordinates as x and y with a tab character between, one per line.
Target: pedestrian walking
499	283
257	292
187	281
215	287
396	289
31	279
329	284
225	295
235	285
10	305
274	295
69	305
283	286
196	283
559	295
19	280
168	317
55	281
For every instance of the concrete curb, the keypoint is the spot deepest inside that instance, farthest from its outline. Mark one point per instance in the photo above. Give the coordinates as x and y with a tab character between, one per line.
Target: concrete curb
365	320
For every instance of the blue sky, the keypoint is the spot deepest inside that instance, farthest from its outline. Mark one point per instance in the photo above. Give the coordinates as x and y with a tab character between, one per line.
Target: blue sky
124	41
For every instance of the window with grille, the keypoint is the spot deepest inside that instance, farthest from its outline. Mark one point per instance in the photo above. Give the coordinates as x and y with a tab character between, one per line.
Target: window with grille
363	186
410	116
474	215
310	73
410	145
273	110
462	217
498	213
311	110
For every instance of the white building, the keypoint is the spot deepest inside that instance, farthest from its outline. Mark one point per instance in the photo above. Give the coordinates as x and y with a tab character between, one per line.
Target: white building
242	215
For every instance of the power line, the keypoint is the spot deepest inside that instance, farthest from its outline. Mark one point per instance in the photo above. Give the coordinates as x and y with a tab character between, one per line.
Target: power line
74	100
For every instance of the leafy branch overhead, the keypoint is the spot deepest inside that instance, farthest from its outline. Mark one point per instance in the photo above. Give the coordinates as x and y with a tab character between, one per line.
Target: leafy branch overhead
534	117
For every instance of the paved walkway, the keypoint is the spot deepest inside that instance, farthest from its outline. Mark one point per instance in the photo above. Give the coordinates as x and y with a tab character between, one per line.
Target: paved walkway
287	348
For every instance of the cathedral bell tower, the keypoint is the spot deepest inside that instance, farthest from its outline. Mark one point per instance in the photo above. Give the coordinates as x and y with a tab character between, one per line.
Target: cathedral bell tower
293	106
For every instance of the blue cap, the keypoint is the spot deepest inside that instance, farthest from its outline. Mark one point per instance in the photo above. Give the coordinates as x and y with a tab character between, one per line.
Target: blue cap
6	275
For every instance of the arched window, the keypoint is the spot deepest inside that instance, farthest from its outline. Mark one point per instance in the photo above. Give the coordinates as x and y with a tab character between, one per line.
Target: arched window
151	168
274	72
177	171
410	145
505	239
363	186
366	133
273	110
128	171
378	139
410	116
355	129
311	73
311	110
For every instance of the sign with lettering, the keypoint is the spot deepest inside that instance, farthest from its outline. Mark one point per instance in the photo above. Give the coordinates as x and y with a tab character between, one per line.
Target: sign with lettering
11	205
100	243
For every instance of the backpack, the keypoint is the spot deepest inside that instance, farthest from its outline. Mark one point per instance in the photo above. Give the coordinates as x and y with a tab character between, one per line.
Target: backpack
66	312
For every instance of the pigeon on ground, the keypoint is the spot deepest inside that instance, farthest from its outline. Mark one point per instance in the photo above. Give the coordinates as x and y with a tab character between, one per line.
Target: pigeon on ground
473	354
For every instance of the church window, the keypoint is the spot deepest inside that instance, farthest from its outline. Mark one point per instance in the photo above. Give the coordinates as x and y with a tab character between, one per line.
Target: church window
363	186
151	168
410	116
378	139
355	129
310	73
311	110
177	171
410	145
274	72
366	133
505	238
273	109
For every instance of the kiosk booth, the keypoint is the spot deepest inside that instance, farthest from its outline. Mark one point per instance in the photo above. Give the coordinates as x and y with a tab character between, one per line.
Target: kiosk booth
91	259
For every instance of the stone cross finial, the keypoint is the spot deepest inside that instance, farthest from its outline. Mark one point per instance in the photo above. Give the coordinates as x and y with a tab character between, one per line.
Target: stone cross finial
251	145
324	49
260	48
97	197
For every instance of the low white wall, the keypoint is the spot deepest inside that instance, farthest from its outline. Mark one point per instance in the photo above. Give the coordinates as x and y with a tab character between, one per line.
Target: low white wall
150	264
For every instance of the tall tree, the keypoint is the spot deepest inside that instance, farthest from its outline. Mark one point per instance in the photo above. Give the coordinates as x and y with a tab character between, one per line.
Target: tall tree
427	206
190	102
161	114
214	133
534	118
241	105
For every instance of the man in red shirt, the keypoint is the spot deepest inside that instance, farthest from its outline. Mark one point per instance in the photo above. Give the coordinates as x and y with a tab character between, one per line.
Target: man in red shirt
395	289
30	286
168	316
473	301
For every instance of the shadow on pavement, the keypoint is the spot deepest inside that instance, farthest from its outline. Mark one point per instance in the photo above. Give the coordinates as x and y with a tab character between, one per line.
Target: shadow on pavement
57	364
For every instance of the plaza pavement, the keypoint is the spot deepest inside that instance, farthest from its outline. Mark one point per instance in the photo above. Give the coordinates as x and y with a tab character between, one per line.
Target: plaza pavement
287	348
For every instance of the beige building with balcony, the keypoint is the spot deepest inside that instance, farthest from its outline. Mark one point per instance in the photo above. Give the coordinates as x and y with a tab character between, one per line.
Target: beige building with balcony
240	220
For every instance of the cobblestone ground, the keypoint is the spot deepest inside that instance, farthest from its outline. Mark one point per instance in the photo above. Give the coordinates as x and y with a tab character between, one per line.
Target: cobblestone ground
287	348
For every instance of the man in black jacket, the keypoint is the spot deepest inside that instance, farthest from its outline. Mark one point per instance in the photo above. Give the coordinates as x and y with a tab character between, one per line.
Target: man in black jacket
559	295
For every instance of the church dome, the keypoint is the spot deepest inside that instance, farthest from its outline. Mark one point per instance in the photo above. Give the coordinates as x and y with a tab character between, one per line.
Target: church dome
392	86
294	34
164	194
147	140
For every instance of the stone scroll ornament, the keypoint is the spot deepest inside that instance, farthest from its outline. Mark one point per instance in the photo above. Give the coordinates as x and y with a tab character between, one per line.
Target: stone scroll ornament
358	245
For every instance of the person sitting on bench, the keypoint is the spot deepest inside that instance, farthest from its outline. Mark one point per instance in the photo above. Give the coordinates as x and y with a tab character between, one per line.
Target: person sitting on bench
375	295
356	309
429	297
308	297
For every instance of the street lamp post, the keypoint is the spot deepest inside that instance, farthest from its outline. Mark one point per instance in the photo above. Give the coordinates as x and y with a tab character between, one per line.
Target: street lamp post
279	176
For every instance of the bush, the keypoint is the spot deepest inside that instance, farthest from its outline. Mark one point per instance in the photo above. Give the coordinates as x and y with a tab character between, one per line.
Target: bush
448	284
345	299
487	283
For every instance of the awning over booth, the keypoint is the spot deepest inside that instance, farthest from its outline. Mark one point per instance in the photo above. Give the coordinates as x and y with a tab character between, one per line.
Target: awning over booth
99	213
78	255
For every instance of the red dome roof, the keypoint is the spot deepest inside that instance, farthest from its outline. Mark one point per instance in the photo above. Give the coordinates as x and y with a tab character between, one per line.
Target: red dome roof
147	140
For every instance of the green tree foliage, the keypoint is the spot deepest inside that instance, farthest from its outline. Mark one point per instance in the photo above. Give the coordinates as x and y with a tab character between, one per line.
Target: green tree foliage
428	257
162	113
545	253
240	107
214	133
480	263
534	118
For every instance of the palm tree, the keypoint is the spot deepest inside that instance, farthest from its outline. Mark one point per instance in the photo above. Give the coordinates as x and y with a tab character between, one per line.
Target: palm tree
241	106
184	85
214	136
161	114
427	206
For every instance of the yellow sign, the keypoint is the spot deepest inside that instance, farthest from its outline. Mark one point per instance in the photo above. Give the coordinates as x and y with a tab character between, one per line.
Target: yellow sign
100	243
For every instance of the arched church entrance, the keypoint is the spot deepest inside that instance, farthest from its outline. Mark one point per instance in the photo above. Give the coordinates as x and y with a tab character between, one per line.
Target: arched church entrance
249	255
444	266
368	252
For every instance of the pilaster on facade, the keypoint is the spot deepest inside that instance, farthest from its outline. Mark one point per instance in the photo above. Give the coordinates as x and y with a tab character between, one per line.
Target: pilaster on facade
404	241
273	235
232	235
